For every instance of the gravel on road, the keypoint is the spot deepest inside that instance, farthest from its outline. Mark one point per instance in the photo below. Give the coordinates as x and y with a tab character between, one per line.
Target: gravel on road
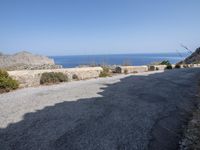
125	112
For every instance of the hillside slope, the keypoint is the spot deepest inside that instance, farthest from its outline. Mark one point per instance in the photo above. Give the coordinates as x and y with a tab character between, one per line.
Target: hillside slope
26	60
193	58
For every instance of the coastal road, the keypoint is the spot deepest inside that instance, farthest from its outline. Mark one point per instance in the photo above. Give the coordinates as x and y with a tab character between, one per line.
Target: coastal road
125	112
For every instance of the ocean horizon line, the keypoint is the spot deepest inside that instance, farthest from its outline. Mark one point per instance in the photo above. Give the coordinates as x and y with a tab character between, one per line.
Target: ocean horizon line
117	59
150	53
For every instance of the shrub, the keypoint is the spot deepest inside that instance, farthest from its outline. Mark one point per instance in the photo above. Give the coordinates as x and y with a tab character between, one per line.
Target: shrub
105	72
177	66
165	62
53	77
126	71
3	73
75	77
118	70
7	83
169	67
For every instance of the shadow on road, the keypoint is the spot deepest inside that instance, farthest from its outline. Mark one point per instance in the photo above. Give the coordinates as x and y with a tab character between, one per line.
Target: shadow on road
139	112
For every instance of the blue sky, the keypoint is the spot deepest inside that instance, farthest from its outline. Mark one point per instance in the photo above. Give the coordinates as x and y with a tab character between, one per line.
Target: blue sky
71	27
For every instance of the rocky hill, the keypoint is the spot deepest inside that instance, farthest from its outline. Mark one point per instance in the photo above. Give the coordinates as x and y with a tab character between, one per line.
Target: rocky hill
193	58
26	60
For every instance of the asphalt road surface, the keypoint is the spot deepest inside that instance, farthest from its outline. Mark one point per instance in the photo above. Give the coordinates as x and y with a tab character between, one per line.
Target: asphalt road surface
144	111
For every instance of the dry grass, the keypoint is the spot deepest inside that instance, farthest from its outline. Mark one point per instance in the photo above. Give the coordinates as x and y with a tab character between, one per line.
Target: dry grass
105	73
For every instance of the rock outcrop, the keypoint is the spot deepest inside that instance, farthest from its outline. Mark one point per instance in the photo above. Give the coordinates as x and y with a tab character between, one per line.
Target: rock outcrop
26	60
194	58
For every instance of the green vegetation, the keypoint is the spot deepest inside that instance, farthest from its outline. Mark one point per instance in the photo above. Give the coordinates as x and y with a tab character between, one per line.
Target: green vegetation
105	72
53	77
126	71
166	62
3	73
7	83
169	67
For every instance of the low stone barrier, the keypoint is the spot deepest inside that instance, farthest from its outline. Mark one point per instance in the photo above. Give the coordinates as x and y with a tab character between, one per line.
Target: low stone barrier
156	67
193	65
131	69
173	66
186	66
196	65
28	78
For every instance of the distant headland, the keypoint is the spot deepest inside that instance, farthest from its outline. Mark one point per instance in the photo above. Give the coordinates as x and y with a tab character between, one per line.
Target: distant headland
26	60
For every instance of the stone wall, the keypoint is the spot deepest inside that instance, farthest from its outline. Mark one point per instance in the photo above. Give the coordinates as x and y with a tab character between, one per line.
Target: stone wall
131	69
193	65
196	65
28	78
156	67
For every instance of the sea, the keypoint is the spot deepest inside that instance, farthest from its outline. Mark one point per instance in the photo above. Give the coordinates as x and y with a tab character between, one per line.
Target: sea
117	59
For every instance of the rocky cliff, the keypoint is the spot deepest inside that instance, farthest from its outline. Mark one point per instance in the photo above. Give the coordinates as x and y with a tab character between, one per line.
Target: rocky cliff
193	58
26	60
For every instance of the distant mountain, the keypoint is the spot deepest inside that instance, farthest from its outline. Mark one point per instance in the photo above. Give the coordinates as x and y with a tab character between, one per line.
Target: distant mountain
193	58
26	60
